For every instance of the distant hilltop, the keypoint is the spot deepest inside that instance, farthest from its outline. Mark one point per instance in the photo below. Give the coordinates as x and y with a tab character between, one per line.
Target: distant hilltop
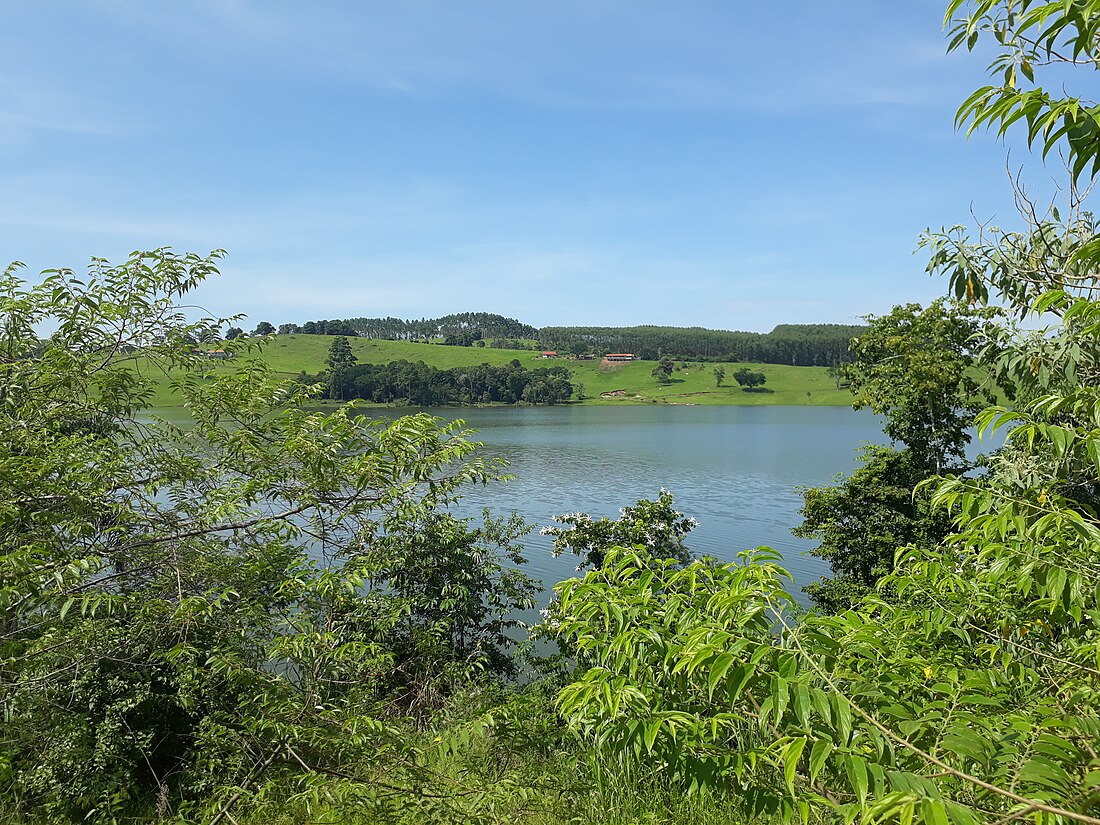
796	344
485	325
804	345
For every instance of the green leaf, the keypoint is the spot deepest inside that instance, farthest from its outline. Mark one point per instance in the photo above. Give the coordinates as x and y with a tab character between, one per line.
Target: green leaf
821	703
718	670
856	768
932	811
819	753
966	743
652	730
791	755
843	715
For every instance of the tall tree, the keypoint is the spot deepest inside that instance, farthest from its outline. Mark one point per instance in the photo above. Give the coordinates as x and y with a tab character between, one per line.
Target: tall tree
915	366
340	360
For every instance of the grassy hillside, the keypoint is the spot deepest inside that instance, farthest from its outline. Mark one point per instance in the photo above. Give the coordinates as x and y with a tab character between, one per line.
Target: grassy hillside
692	383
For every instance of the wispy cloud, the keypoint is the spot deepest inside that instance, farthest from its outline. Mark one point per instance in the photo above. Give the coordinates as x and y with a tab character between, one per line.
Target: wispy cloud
571	54
591	161
28	106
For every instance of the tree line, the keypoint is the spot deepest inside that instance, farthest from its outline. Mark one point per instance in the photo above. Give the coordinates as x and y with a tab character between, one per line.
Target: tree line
807	345
462	327
418	384
421	385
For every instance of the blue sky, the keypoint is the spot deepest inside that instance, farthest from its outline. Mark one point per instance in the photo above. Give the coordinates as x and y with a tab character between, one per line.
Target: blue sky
719	164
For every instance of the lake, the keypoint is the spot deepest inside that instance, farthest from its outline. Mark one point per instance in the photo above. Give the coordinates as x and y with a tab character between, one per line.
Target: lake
735	469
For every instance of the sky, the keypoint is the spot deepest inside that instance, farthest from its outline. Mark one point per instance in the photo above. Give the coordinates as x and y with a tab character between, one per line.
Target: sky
719	164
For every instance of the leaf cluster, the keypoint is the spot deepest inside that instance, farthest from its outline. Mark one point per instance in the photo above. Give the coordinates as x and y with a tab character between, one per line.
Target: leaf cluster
194	618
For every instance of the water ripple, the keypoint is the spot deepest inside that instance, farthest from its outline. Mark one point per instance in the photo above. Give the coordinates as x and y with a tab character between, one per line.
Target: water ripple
735	469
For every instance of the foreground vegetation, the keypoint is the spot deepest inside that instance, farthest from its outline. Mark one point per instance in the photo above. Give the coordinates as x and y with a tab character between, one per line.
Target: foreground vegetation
273	617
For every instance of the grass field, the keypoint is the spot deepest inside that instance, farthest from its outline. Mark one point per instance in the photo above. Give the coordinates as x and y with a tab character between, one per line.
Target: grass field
692	383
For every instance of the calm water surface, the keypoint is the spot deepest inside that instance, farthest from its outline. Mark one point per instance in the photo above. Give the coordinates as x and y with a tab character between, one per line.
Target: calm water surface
735	469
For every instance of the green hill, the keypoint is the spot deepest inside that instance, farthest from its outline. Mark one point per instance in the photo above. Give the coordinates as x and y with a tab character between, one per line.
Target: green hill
631	383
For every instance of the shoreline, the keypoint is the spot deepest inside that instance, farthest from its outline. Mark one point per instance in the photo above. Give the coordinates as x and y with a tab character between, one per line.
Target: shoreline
629	401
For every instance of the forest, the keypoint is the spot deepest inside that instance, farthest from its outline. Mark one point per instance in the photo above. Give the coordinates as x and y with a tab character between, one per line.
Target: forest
422	385
465	326
803	345
273	616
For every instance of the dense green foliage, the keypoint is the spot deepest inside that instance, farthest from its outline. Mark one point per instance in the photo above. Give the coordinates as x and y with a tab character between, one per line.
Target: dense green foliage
465	326
654	526
250	605
861	522
806	345
273	617
421	385
966	687
915	366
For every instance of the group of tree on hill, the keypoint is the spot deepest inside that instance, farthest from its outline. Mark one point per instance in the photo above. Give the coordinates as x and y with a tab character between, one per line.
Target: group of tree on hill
750	380
796	344
418	384
273	615
334	327
462	328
